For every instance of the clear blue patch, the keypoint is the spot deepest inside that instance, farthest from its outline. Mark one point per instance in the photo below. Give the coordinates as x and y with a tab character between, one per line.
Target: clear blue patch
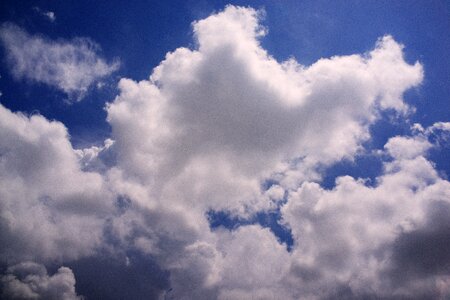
368	167
440	156
389	125
268	183
269	220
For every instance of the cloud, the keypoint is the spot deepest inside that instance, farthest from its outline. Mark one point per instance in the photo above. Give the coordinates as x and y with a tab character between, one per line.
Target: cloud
202	135
50	210
212	122
48	14
70	66
29	280
228	113
424	251
354	235
97	158
400	147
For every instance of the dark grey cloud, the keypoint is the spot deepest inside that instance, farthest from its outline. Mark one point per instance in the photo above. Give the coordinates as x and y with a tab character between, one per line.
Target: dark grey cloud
425	251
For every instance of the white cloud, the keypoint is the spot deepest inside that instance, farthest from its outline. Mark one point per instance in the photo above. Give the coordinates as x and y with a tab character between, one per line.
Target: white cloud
445	126
202	134
401	147
211	122
29	280
93	158
347	236
255	263
70	66
48	14
49	210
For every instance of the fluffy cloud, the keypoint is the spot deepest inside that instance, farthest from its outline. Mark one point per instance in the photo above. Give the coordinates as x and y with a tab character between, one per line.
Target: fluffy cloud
96	157
218	119
70	66
29	280
228	113
203	134
49	209
355	235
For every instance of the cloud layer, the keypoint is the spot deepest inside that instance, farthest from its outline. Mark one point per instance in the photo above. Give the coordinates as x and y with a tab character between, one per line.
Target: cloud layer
29	280
203	134
70	66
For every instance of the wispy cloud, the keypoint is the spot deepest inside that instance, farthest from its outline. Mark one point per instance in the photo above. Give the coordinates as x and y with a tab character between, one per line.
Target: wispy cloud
49	15
70	66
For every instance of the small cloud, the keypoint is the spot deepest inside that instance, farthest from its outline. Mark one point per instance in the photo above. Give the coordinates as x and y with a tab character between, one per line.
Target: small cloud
100	85
72	66
48	14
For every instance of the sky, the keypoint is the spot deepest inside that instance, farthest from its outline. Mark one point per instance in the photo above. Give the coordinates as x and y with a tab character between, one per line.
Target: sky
224	150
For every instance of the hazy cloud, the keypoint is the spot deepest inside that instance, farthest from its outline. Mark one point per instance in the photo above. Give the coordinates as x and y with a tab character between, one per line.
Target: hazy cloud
70	66
47	14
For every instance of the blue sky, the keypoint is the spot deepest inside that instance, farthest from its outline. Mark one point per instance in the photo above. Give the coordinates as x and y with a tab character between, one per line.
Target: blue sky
238	146
142	34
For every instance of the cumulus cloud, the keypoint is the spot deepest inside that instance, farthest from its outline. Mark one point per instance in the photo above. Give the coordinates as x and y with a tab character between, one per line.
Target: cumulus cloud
96	157
219	118
49	208
203	134
354	235
29	280
228	112
70	66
